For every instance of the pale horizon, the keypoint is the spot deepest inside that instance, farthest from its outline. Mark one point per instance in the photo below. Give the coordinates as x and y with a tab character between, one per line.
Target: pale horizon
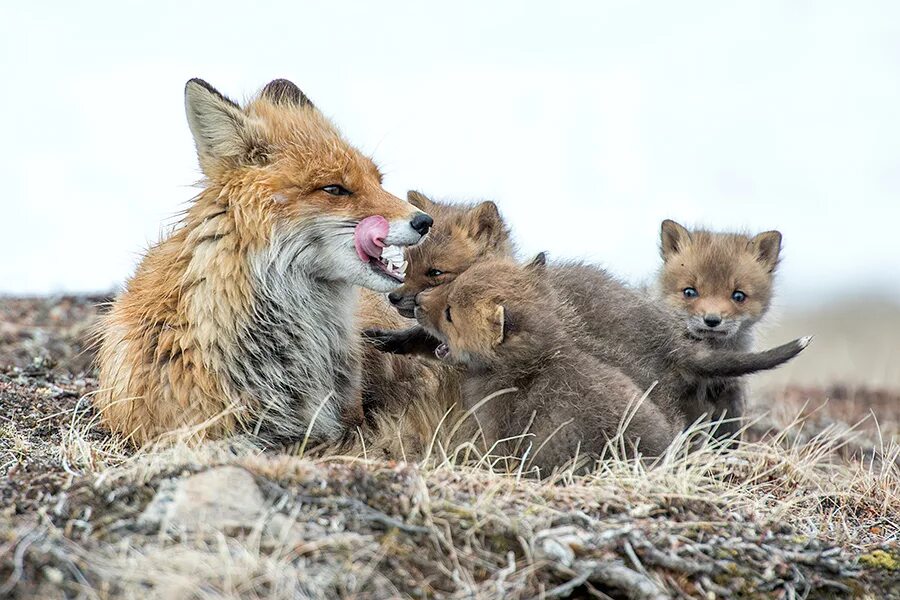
587	125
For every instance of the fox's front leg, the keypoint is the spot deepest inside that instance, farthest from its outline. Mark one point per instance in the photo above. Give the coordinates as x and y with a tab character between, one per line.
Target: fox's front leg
414	340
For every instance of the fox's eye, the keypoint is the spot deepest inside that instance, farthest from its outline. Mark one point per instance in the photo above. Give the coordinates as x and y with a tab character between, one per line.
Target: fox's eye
738	296
447	314
336	190
690	293
434	273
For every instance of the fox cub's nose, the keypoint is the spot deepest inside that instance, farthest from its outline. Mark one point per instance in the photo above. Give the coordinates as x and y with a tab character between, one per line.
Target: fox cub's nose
421	223
395	297
712	320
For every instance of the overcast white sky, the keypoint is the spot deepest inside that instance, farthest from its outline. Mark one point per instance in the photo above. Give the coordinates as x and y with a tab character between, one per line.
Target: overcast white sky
587	124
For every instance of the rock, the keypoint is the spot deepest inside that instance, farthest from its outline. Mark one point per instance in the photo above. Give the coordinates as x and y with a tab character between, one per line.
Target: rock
225	499
220	498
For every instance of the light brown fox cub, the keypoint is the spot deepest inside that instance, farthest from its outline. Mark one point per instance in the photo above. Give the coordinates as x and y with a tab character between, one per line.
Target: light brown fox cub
243	318
506	326
463	235
719	285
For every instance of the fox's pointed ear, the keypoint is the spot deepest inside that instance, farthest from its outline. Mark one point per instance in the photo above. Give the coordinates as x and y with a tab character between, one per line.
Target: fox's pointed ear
488	225
284	92
419	200
499	324
673	238
538	264
767	246
221	130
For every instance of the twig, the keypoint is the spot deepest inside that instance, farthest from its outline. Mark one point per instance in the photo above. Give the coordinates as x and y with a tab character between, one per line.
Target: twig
617	575
366	512
561	591
19	562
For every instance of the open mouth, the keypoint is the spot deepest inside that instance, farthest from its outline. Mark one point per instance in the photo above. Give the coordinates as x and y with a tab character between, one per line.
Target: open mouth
711	333
442	351
368	239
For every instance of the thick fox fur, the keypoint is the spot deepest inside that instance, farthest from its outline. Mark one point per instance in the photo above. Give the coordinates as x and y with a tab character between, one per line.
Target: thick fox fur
410	402
719	286
243	319
508	328
631	331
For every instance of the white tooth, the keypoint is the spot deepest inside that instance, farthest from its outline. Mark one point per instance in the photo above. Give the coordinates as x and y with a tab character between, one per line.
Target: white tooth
392	254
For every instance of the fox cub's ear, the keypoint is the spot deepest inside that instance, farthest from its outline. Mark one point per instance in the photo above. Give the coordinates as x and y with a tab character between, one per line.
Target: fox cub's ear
222	132
487	224
767	246
419	200
673	238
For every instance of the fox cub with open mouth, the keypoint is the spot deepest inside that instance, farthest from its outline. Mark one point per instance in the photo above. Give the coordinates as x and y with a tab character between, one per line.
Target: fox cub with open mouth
505	325
718	286
243	319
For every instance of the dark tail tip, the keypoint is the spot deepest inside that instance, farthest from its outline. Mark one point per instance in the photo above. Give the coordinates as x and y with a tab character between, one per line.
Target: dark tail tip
737	364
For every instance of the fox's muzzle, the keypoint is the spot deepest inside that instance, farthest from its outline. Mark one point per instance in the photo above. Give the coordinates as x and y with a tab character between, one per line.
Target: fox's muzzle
405	303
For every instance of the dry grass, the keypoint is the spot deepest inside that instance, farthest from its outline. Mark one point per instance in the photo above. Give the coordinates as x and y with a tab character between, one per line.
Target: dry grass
806	506
773	516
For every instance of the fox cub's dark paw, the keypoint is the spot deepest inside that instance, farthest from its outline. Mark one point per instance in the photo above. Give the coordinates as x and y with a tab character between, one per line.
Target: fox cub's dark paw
414	340
386	341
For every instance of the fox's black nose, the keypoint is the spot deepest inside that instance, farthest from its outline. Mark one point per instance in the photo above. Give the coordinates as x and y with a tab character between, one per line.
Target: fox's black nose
395	298
421	223
712	320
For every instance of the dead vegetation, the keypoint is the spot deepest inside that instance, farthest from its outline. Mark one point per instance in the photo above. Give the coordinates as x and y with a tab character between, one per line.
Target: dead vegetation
806	507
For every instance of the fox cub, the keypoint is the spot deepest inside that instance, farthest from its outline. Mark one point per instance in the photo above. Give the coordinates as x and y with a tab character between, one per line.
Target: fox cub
507	327
719	286
619	325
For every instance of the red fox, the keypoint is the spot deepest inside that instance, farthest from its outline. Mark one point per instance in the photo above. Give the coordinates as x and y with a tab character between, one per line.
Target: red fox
243	319
718	285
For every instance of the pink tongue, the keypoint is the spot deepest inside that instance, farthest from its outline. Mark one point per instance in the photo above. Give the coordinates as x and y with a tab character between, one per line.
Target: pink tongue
369	237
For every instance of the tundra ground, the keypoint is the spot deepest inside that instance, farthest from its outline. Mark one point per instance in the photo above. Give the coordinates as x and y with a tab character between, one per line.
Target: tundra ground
807	507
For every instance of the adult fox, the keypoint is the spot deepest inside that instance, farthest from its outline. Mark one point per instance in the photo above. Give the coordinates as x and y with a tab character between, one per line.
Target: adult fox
243	319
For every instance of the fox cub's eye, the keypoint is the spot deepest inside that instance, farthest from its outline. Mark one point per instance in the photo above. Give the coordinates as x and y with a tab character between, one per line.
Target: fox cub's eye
336	190
434	273
738	296
447	314
690	293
